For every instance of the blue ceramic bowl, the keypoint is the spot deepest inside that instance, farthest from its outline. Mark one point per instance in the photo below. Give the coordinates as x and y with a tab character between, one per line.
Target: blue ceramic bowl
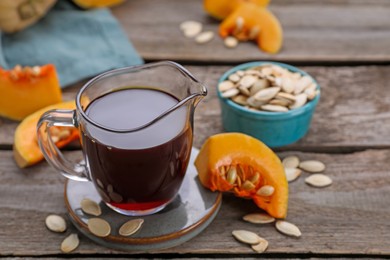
275	129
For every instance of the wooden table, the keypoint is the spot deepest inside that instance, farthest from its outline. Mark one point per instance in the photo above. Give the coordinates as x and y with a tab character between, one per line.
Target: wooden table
344	44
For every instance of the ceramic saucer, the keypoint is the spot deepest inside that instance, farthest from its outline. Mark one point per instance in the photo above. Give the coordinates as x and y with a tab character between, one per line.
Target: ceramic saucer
186	216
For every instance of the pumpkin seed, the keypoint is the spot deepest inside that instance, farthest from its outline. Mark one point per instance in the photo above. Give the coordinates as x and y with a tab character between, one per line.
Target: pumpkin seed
230	93
131	227
234	78
239	24
115	197
291	162
99	227
255	178
312	166
55	138
259	85
286	96
266	94
70	243
288	85
232	175
279	102
230	42
261	246
274	108
255	103
254	32
247	81
240	99
266	191
247	185
55	223
204	37
302	84
99	183
246	237
300	100
288	228
90	207
244	91
318	180
191	28
63	134
292	174
258	218
36	70
240	73
239	181
226	85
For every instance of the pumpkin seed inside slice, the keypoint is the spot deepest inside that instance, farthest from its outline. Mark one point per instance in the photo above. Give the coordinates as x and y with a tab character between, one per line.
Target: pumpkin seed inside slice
261	246
288	228
258	218
318	180
266	191
99	227
55	223
91	207
312	166
70	243
232	175
131	227
246	237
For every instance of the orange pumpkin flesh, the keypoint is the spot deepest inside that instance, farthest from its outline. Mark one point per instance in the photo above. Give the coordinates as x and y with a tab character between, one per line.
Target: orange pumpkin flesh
270	36
253	161
26	149
220	9
25	90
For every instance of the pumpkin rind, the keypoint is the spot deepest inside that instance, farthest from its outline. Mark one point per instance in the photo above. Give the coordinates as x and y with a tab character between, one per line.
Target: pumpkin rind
233	149
26	149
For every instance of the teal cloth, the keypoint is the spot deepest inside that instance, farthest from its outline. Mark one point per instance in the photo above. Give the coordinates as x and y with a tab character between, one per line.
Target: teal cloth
80	43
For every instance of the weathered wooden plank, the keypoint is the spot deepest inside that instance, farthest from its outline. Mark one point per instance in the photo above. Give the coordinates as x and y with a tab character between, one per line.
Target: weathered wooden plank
353	112
314	31
349	217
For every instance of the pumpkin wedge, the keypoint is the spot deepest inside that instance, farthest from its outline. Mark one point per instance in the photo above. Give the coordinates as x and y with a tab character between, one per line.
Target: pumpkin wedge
257	23
24	90
26	149
238	163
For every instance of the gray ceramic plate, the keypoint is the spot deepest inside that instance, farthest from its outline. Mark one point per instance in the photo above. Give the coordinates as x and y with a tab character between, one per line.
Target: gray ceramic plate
191	212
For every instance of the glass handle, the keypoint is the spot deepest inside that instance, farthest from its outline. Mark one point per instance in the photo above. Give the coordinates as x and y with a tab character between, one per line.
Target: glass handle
64	118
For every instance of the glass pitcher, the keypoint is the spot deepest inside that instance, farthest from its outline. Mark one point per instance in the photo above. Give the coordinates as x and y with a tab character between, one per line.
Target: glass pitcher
136	131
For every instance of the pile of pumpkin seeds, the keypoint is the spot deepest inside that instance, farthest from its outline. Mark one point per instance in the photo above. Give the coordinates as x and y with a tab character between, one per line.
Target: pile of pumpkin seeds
193	29
269	87
293	168
97	226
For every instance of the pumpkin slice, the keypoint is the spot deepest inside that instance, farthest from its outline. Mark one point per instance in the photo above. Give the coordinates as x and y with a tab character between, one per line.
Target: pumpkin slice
25	90
243	165
258	23
26	148
220	9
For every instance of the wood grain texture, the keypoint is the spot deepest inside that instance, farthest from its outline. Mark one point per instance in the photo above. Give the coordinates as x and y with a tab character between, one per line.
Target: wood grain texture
314	31
353	113
349	217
